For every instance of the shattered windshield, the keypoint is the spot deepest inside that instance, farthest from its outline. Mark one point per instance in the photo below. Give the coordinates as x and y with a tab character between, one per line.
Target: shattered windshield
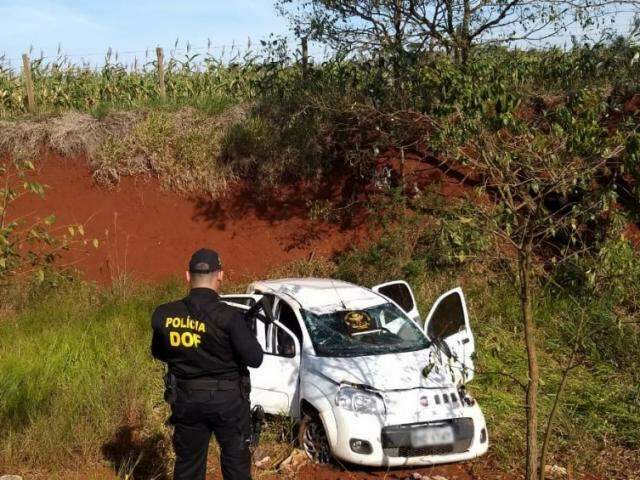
370	331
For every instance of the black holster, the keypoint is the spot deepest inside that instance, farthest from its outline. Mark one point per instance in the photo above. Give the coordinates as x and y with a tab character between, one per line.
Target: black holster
170	388
257	420
257	412
245	387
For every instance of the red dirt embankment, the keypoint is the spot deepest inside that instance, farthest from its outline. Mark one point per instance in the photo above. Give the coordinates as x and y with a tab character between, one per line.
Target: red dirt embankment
149	234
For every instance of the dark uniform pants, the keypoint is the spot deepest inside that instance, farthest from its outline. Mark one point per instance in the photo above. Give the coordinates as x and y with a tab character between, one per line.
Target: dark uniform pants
197	414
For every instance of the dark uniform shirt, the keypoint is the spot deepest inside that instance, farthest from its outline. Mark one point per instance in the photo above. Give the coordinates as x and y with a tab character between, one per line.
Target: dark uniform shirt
218	344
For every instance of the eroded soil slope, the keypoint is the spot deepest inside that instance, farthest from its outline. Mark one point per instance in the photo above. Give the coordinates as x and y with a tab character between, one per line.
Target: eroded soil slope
148	233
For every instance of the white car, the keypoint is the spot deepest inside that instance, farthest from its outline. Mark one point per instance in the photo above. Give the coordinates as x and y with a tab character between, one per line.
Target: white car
365	382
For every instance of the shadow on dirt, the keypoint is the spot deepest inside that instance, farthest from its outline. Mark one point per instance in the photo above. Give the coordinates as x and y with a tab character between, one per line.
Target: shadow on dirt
273	204
340	199
133	455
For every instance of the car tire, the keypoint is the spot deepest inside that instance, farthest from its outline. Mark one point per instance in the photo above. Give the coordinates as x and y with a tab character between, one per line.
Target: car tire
312	439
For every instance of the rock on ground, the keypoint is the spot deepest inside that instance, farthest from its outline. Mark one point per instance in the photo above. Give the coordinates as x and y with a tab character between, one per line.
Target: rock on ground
293	463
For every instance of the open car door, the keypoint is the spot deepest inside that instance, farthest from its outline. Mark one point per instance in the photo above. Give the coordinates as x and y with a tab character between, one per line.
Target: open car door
276	381
447	326
274	384
241	299
400	292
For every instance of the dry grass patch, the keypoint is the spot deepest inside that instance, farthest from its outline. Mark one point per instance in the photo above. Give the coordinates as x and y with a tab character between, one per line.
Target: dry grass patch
184	149
70	134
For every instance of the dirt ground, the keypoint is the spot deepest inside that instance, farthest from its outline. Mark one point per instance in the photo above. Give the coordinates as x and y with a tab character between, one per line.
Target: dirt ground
147	233
480	469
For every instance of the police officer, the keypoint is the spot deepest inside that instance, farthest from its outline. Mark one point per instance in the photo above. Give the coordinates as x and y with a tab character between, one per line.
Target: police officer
207	347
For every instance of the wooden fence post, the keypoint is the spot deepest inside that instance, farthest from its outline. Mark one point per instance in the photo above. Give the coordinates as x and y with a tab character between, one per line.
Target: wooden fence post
28	82
305	56
161	88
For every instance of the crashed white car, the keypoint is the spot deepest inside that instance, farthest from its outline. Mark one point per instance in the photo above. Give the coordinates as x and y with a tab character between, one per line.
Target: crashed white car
366	382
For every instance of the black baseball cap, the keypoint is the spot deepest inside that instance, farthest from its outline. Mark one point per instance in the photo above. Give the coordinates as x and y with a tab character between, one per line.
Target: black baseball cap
205	261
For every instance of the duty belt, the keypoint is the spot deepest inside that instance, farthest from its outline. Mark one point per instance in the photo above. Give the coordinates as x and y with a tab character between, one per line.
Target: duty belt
208	384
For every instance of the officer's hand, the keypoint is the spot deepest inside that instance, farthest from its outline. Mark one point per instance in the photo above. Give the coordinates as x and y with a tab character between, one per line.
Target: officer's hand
261	311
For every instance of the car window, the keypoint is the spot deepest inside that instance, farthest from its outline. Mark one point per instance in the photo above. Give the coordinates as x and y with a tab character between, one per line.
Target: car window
241	300
287	317
260	330
268	299
371	331
448	318
399	293
283	344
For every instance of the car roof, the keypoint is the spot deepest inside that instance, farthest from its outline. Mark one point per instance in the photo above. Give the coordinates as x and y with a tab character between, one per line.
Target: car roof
322	295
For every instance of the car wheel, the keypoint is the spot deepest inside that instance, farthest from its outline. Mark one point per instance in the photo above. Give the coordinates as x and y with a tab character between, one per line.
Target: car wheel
313	439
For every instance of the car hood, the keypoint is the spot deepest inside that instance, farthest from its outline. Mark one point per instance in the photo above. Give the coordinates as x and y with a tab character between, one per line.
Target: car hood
393	371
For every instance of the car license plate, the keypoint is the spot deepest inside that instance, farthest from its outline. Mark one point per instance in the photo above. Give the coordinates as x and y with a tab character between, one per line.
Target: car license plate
432	435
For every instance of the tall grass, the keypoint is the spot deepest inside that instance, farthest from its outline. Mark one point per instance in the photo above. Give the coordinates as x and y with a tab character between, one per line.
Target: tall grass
599	406
74	368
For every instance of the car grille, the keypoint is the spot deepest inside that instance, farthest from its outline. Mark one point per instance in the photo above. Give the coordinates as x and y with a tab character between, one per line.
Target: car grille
396	440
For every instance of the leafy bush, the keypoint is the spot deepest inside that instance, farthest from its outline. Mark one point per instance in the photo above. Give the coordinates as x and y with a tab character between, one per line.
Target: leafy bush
28	245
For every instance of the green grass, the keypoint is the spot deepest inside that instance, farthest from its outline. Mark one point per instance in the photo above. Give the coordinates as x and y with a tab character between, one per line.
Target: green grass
598	405
209	105
75	369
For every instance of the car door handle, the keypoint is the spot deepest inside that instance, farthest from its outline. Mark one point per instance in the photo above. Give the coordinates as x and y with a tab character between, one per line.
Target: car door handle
465	340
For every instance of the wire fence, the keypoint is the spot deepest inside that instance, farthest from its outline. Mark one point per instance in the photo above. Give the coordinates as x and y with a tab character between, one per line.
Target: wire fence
179	51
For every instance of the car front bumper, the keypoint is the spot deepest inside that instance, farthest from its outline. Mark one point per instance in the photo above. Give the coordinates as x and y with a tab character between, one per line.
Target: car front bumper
390	442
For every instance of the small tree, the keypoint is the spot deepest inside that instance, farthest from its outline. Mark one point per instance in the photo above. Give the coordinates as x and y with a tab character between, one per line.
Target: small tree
548	199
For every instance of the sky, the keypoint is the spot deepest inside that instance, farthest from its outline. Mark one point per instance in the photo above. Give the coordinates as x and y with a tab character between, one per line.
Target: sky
86	29
90	27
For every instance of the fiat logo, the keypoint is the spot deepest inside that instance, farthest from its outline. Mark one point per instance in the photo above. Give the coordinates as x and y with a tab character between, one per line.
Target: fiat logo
424	401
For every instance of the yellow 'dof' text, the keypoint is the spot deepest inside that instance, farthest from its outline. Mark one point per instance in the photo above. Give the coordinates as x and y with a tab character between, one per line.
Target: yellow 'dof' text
184	339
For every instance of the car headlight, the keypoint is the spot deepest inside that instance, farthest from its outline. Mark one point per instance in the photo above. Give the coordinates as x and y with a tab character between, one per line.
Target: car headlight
361	401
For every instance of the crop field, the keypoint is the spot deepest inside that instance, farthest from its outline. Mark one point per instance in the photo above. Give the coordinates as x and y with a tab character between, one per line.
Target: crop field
206	80
436	85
